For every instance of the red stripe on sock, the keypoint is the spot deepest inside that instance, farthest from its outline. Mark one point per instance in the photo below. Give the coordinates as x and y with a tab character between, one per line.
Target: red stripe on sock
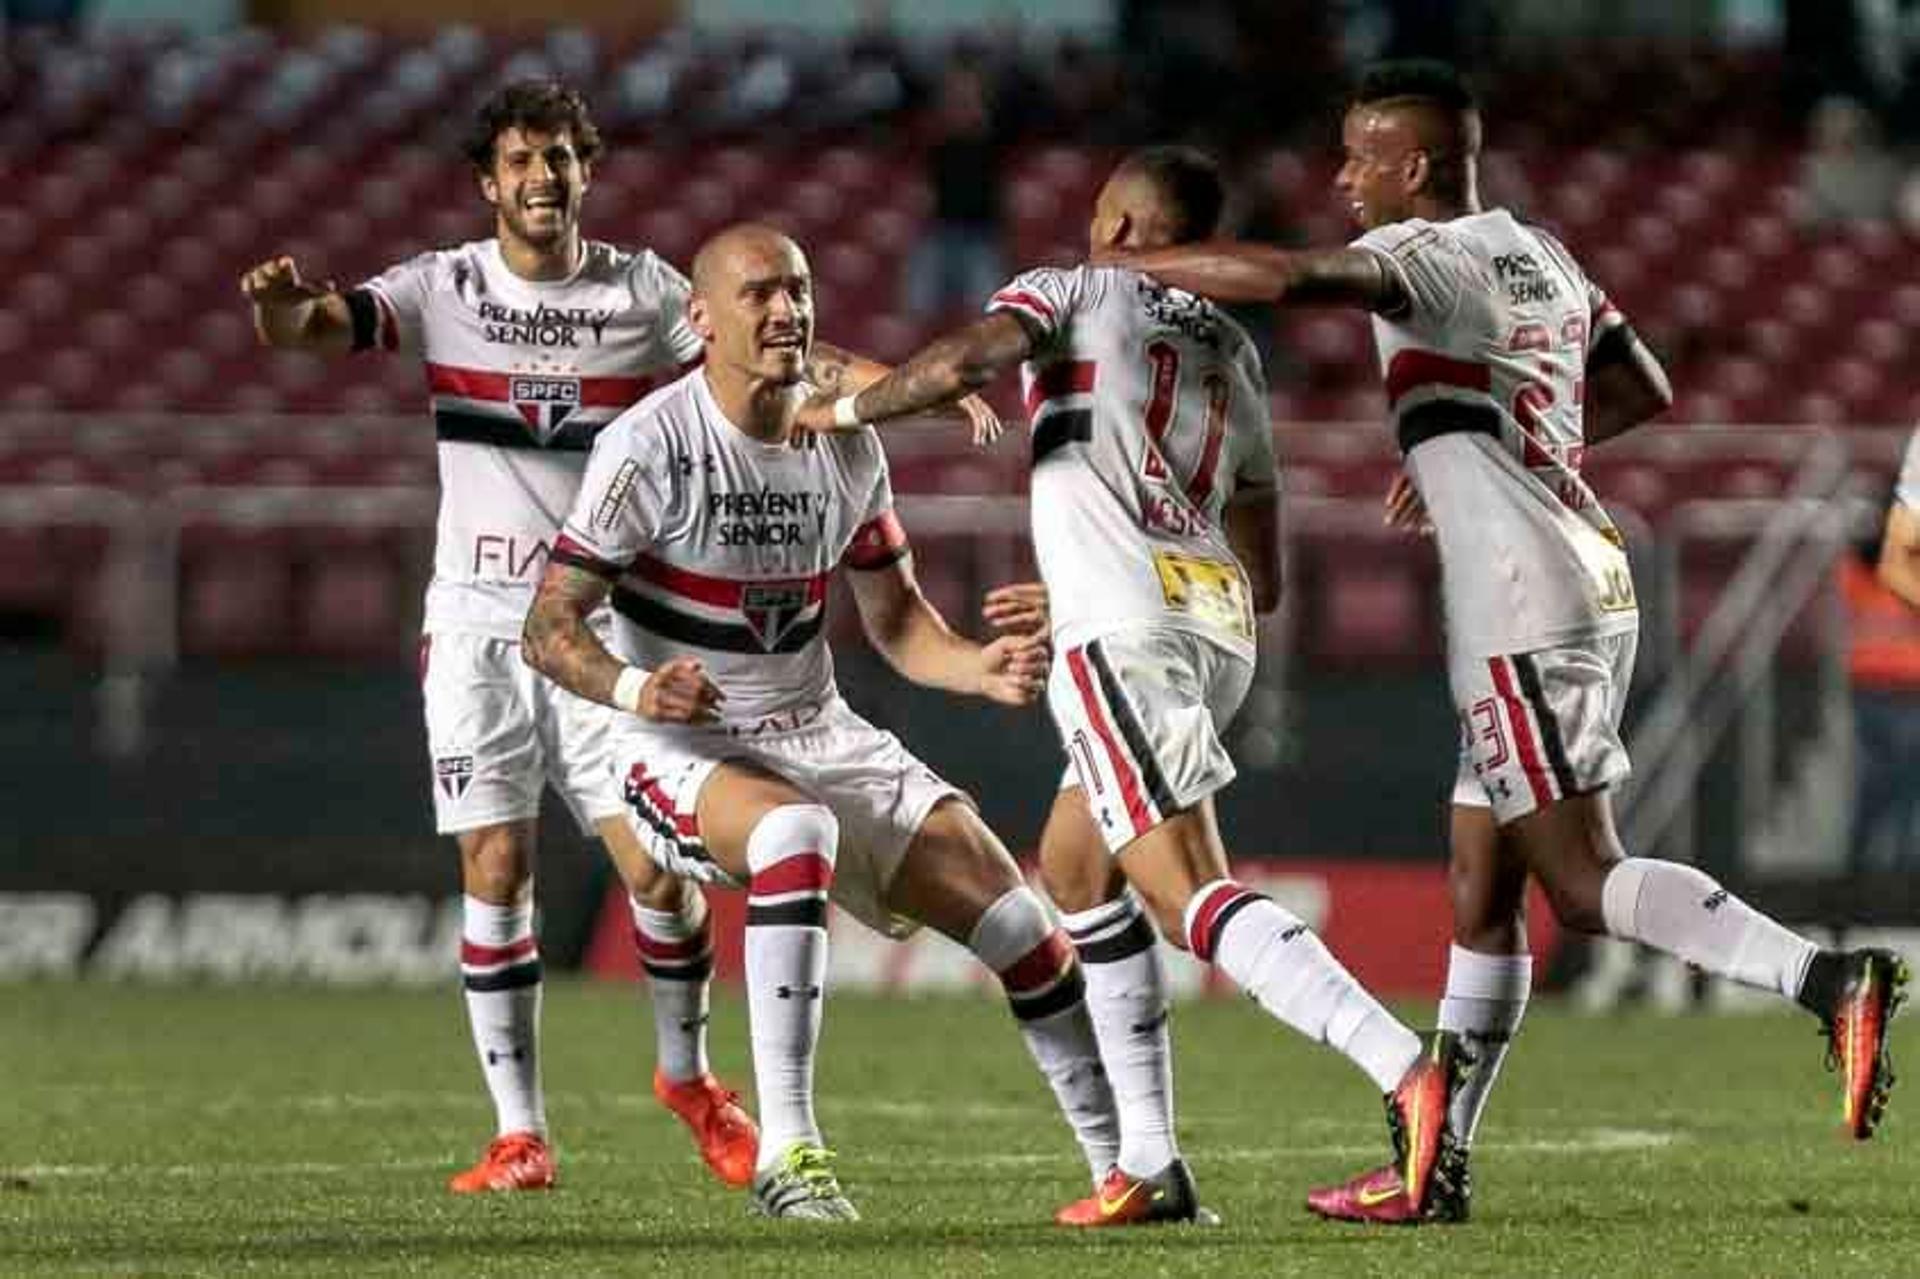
1200	938
659	949
479	956
800	873
1040	967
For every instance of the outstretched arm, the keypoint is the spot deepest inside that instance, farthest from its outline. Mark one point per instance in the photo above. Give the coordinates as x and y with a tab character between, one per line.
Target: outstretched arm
949	368
1232	271
291	312
836	373
905	627
558	643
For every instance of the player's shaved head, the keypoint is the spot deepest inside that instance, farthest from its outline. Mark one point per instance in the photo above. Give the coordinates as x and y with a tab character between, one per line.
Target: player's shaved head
737	252
1421	105
1160	195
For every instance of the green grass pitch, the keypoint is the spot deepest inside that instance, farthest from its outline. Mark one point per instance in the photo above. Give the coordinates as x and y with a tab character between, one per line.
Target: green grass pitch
282	1131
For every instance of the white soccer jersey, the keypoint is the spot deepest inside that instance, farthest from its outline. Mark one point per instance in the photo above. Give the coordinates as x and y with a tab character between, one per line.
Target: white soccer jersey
1149	410
523	374
1908	491
721	545
1484	376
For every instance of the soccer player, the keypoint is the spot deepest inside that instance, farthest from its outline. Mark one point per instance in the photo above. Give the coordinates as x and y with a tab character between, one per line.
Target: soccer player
1900	548
715	539
532	341
1155	513
1503	362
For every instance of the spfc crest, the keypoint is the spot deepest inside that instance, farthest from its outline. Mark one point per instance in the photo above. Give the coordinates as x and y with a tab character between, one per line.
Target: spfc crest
545	402
454	774
771	609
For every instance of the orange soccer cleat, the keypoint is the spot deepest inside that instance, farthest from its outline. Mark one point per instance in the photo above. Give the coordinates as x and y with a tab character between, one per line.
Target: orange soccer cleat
514	1161
1124	1200
725	1133
1876	982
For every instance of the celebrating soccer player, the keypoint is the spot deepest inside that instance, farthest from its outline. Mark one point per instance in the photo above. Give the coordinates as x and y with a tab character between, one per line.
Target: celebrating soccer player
715	539
1155	524
1503	362
532	341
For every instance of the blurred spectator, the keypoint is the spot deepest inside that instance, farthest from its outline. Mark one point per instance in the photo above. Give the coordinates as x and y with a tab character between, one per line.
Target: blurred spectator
1848	176
61	15
1884	664
958	260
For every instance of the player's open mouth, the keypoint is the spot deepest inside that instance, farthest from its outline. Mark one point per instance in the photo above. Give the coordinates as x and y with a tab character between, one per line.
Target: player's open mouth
783	342
548	202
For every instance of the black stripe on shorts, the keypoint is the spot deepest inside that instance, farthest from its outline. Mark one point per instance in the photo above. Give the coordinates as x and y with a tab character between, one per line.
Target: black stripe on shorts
1549	727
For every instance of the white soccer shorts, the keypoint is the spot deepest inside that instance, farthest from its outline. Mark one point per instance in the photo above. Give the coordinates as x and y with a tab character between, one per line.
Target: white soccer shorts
499	731
877	790
1140	713
1537	727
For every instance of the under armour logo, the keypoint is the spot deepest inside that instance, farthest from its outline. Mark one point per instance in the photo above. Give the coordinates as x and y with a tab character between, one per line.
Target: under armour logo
797	992
694	1023
1714	901
1293	932
495	1057
1149	1026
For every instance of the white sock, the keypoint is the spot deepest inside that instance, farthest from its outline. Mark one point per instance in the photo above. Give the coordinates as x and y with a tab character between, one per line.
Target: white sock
1279	961
1127	1001
1485	1000
676	952
500	968
1684	912
790	856
1036	965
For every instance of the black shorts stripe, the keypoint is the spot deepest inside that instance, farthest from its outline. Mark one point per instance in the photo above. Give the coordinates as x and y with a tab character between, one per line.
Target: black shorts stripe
527	974
1057	430
1059	997
457	427
364	313
1135	939
697	970
1435	418
1550	741
1136	737
807	912
669	623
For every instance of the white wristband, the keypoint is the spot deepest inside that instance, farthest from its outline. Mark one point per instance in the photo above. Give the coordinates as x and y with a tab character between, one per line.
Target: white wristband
843	414
626	689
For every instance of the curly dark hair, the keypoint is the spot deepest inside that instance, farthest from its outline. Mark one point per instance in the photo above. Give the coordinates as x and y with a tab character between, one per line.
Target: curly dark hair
1189	183
1425	78
544	105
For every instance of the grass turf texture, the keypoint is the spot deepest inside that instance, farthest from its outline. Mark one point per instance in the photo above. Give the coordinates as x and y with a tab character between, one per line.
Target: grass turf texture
161	1131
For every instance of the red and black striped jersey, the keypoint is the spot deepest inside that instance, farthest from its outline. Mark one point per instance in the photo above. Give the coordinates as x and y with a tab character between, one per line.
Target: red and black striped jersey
1485	372
721	545
1148	410
522	374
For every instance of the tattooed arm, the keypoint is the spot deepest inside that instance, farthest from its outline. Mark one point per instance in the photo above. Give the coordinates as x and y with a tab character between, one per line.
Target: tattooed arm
557	642
951	367
838	372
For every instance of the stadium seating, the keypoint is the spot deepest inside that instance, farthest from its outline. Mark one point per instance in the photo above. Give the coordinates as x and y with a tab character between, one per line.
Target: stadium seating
160	167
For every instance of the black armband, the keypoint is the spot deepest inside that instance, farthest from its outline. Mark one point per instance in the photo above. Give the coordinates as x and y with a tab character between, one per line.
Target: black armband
365	313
